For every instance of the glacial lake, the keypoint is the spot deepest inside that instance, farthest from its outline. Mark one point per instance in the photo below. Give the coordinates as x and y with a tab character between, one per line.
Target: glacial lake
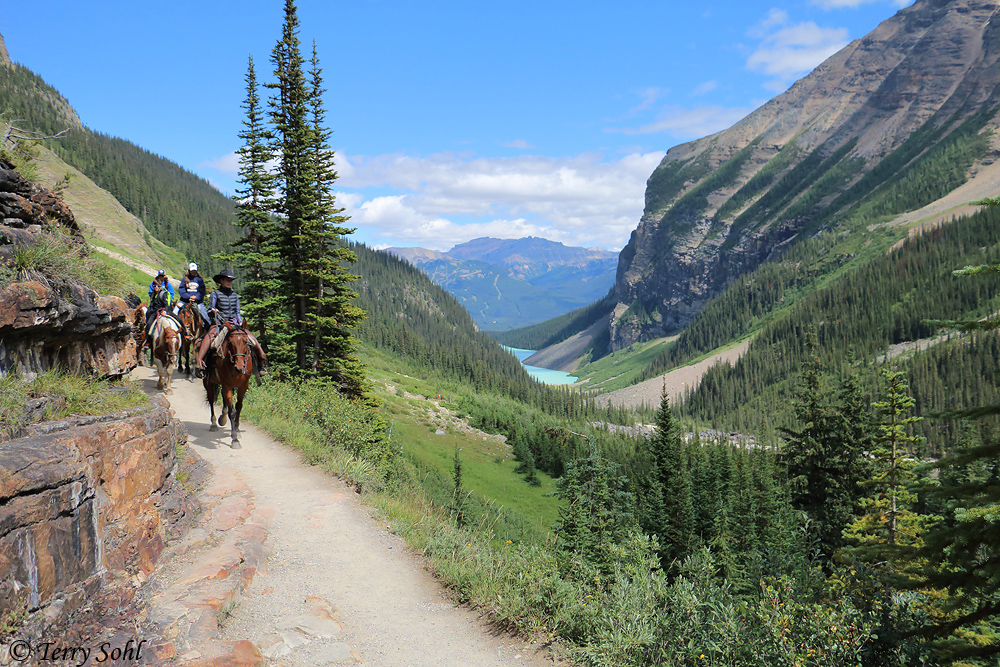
544	375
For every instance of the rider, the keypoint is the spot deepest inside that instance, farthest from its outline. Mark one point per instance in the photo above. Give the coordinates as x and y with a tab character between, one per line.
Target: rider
161	295
224	302
192	288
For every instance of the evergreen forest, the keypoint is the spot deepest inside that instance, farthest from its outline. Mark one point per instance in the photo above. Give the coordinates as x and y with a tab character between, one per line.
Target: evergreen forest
830	499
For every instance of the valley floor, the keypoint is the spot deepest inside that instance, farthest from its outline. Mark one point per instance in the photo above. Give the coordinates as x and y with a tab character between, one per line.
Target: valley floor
326	543
677	382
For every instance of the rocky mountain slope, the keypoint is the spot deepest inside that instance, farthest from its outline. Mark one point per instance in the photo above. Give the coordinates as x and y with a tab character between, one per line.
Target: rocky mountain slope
508	283
888	125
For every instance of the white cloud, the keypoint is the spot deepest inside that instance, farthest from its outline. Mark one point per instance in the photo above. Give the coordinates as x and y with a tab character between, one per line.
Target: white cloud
706	87
788	51
683	123
519	143
228	165
444	199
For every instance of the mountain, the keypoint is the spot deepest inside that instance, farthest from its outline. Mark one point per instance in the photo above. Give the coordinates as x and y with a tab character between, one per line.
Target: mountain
509	283
892	123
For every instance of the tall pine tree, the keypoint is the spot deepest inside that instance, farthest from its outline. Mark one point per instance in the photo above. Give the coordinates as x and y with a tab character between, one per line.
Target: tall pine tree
330	313
295	247
671	511
255	255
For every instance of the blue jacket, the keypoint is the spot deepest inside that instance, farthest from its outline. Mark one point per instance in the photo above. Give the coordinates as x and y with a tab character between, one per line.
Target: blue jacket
170	290
192	288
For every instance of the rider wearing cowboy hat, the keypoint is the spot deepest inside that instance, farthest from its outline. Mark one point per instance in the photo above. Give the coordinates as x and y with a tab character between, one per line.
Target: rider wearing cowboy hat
224	303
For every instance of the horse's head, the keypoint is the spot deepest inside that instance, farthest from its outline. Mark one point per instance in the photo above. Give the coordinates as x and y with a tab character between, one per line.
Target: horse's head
166	339
236	350
172	343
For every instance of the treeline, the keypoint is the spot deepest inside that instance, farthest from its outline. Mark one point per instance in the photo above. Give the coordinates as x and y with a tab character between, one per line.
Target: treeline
541	335
177	207
412	318
889	301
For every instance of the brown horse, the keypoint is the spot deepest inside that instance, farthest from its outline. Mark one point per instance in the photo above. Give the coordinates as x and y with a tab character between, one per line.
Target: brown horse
166	345
230	371
195	327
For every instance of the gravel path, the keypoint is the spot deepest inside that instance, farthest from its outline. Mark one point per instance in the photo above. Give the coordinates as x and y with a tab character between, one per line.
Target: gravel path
326	544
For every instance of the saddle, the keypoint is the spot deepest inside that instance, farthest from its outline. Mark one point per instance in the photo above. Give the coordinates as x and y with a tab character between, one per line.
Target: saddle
167	314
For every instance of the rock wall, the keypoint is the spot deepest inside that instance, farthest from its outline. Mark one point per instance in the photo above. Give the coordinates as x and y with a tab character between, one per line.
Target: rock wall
83	499
42	326
80	332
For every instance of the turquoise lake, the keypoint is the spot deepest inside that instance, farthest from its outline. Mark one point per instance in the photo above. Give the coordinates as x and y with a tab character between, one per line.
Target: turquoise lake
541	374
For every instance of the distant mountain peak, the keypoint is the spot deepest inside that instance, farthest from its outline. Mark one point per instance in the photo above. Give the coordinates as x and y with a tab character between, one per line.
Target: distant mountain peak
508	283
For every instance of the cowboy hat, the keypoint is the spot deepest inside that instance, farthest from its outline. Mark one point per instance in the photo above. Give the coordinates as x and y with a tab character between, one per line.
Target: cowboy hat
224	273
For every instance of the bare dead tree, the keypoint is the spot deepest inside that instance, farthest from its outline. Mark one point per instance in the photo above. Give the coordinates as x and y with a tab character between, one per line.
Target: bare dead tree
14	133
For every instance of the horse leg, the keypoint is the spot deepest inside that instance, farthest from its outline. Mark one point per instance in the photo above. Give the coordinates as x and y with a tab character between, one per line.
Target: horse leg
159	374
168	375
227	402
213	392
234	421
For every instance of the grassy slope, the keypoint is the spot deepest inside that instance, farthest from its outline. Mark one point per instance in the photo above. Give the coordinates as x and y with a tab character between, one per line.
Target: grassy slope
488	468
105	222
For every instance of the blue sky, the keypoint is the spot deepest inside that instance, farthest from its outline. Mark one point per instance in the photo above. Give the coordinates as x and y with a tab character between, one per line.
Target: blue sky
451	120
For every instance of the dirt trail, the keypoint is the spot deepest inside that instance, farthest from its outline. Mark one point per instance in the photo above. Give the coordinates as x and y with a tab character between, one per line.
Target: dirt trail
327	544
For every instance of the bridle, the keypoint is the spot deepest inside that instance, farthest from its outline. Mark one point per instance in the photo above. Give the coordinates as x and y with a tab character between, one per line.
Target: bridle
230	348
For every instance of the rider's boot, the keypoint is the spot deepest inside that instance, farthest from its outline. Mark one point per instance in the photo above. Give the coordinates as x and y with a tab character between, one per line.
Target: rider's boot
262	358
199	370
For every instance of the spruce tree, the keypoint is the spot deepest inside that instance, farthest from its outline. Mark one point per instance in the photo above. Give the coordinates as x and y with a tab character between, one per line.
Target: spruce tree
295	178
961	553
295	249
330	312
823	458
597	517
671	482
255	255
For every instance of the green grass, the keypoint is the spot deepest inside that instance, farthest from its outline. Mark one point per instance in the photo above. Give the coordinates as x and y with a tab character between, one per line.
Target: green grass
488	470
78	396
622	368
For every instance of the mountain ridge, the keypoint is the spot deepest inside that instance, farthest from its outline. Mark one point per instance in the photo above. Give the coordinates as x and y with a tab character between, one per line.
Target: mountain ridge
506	283
922	86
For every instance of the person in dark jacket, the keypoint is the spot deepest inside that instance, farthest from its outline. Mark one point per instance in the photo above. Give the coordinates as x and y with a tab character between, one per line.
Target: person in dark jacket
224	304
161	296
192	288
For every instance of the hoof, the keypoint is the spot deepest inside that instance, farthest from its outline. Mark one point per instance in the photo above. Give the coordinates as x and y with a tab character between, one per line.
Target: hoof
222	420
213	427
236	445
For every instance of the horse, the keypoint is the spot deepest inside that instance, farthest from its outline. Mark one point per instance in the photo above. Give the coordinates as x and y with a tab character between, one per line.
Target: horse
190	317
230	371
166	345
139	330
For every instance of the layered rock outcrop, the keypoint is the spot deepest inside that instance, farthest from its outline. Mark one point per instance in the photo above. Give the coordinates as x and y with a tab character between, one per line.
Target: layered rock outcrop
79	331
45	325
82	499
707	218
